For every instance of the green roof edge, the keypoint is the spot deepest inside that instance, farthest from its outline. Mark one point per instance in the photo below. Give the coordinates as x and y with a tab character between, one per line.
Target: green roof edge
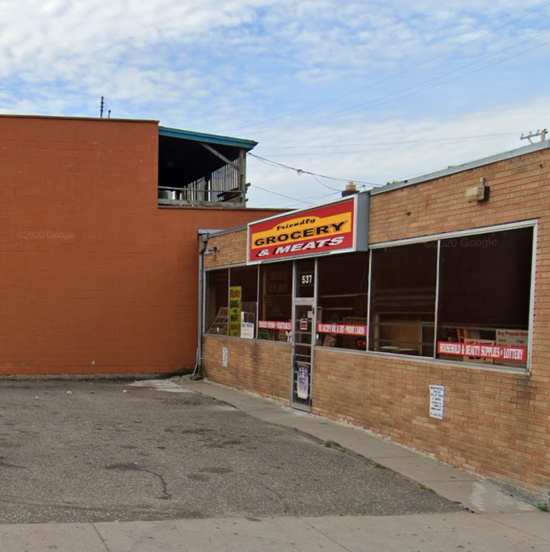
208	138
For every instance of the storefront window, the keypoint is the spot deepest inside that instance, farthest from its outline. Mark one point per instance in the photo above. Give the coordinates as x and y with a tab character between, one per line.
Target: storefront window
485	286
403	291
217	308
243	301
275	302
342	301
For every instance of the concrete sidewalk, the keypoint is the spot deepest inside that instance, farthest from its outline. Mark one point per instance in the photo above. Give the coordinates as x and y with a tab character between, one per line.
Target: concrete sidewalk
457	485
500	522
416	533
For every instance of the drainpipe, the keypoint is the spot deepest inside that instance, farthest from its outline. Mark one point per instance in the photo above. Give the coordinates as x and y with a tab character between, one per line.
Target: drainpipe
203	236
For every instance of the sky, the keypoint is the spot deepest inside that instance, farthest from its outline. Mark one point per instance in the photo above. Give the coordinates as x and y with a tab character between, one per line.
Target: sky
333	91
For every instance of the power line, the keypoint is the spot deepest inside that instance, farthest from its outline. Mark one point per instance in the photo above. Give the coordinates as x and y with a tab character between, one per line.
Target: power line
399	73
341	113
427	143
301	171
282	195
330	188
394	142
313	199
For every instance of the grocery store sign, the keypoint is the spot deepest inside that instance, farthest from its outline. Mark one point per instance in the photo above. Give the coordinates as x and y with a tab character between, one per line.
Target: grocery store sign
325	229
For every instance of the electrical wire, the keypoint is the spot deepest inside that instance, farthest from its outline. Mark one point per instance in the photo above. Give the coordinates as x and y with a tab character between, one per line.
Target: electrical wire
457	139
282	195
428	143
314	200
329	187
301	171
399	73
343	112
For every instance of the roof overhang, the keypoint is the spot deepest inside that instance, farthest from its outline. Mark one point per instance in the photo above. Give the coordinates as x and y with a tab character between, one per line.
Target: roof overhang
207	138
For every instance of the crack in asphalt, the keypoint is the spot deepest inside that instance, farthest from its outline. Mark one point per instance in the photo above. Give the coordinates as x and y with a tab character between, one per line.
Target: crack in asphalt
134	467
4	464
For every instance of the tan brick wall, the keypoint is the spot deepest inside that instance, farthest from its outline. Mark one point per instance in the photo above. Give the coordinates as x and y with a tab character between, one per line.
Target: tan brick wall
232	249
254	365
520	190
496	424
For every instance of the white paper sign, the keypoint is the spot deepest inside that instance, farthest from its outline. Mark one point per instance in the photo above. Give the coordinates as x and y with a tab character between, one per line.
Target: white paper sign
303	381
224	357
247	330
437	401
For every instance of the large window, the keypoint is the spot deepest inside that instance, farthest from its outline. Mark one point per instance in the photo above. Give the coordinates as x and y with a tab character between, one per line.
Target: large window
465	298
402	317
243	301
485	285
342	304
275	318
217	306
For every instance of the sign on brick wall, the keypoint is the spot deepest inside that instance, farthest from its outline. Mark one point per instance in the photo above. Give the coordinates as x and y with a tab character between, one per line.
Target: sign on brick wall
336	227
437	401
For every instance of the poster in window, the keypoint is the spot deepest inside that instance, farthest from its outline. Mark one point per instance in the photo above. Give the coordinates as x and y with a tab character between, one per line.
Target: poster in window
247	325
235	300
303	381
219	326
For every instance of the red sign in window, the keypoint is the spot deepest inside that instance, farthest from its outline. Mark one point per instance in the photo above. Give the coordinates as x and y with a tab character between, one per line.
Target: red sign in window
273	325
480	350
342	329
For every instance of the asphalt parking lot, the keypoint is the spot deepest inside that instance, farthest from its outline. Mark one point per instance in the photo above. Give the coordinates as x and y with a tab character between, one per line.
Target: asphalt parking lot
109	451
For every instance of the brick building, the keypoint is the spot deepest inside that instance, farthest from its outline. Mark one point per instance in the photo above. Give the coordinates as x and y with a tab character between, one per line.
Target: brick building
98	240
419	310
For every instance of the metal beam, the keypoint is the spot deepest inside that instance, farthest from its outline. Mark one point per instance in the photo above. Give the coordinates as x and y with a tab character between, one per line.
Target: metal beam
220	156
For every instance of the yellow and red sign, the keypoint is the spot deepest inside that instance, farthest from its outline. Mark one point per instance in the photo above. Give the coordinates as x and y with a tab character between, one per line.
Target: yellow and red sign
319	230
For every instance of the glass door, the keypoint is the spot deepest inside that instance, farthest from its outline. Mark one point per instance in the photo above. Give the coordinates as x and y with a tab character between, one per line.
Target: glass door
302	354
303	334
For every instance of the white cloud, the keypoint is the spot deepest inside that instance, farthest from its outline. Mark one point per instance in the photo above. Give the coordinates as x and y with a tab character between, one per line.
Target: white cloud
258	68
395	149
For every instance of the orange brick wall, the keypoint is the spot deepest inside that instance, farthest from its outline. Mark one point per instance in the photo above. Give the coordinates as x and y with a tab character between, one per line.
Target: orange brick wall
496	424
258	366
94	276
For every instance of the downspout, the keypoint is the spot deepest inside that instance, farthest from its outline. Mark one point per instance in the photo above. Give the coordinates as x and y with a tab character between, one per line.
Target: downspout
203	236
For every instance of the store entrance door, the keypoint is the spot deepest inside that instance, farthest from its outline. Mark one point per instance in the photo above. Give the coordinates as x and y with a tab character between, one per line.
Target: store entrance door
303	332
302	354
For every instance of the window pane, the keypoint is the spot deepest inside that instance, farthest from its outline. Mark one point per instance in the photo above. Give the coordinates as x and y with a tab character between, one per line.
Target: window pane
403	299
342	301
217	312
484	297
243	296
275	302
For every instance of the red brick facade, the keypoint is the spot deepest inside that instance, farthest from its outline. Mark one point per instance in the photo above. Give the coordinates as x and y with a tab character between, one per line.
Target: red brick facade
95	277
496	423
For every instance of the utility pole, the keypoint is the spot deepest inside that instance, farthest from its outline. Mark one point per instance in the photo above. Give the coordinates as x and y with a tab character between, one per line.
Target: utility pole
541	133
101	107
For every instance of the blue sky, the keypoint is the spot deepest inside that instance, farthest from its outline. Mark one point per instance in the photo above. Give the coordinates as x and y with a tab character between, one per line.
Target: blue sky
371	91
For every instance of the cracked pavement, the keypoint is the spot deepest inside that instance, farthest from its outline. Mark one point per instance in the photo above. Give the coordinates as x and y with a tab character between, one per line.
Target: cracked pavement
89	451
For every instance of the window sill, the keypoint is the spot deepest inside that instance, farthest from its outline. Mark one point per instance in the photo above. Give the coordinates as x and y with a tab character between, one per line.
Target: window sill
430	360
221	336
